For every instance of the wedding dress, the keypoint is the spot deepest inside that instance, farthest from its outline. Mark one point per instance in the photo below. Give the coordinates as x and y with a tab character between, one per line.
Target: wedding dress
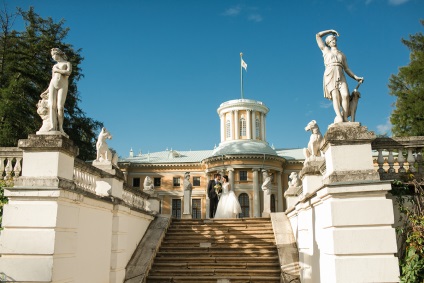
228	205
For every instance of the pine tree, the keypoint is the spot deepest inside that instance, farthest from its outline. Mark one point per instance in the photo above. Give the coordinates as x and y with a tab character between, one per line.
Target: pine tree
408	86
26	72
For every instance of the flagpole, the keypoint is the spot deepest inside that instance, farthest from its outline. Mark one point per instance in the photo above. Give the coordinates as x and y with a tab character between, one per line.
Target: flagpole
241	74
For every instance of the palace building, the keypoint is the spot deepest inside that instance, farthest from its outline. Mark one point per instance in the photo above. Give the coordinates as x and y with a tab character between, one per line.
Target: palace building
243	154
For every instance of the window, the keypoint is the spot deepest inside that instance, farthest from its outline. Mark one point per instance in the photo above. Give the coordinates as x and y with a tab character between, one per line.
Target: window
196	181
196	209
242	127
272	203
243	175
258	128
136	182
228	129
244	203
176	208
156	182
176	181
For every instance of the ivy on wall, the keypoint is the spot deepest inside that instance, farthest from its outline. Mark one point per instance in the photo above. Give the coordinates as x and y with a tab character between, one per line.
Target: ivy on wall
410	200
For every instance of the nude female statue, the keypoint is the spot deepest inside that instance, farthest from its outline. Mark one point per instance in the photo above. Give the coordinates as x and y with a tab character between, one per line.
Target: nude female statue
335	85
58	89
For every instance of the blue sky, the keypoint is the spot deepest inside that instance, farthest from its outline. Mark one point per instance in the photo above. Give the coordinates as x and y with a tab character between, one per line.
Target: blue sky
156	71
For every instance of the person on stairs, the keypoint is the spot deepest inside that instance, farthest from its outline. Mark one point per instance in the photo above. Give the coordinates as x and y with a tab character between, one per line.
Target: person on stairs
228	205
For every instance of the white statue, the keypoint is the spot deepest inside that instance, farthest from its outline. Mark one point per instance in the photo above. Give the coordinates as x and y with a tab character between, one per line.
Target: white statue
57	91
315	141
148	185
294	180
43	111
187	193
266	185
335	84
103	152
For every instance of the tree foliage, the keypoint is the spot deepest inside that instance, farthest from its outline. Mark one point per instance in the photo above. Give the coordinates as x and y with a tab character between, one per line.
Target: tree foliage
408	86
410	202
25	72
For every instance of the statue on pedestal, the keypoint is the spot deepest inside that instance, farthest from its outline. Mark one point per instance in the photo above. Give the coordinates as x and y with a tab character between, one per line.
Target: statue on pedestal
335	84
148	185
266	185
315	142
55	94
294	180
103	152
187	193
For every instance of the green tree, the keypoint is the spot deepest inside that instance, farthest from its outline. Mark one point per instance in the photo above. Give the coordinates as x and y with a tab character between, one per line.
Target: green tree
408	86
26	72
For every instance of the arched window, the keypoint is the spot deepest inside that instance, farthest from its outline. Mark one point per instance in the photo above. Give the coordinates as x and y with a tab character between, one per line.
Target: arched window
258	128
242	127
228	129
244	203
272	203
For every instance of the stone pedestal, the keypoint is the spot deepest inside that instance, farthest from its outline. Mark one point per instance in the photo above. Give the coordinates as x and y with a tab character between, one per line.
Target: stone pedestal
353	216
267	205
311	176
186	216
38	253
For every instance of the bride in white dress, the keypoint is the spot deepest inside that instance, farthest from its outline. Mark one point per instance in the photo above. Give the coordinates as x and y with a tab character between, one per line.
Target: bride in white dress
228	205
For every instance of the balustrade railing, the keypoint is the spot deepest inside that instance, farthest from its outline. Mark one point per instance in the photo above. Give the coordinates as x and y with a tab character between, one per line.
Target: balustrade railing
85	176
395	157
10	162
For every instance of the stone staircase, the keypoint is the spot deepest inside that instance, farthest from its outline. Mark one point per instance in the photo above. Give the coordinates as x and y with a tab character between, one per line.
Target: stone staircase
222	250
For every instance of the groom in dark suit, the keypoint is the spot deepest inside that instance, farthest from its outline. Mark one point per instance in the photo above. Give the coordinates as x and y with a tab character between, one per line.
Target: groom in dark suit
213	186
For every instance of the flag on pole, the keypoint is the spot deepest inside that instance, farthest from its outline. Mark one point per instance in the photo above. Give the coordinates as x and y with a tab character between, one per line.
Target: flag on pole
243	64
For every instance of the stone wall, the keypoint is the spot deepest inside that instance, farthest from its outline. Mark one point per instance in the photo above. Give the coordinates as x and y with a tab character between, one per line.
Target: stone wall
67	221
343	221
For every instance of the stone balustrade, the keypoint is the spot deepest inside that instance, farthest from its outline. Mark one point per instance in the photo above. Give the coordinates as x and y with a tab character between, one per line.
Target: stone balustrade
10	162
397	156
85	176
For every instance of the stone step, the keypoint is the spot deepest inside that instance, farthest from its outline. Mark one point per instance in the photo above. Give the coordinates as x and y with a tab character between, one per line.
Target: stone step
212	250
215	271
214	279
221	245
220	265
233	253
224	250
227	236
221	230
215	259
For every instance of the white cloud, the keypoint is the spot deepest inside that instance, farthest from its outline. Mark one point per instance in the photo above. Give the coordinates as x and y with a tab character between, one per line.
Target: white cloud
233	11
385	129
325	105
242	10
397	2
255	18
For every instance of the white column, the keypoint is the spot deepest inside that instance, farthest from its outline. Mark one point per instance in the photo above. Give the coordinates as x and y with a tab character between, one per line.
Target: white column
231	177
253	125
279	193
222	127
256	197
236	125
231	126
207	195
263	126
249	124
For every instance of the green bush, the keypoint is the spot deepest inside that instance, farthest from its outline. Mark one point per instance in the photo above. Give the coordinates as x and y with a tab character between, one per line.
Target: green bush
3	199
410	200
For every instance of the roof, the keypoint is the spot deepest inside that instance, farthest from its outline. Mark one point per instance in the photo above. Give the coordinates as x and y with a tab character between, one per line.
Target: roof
196	156
291	153
243	147
169	156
